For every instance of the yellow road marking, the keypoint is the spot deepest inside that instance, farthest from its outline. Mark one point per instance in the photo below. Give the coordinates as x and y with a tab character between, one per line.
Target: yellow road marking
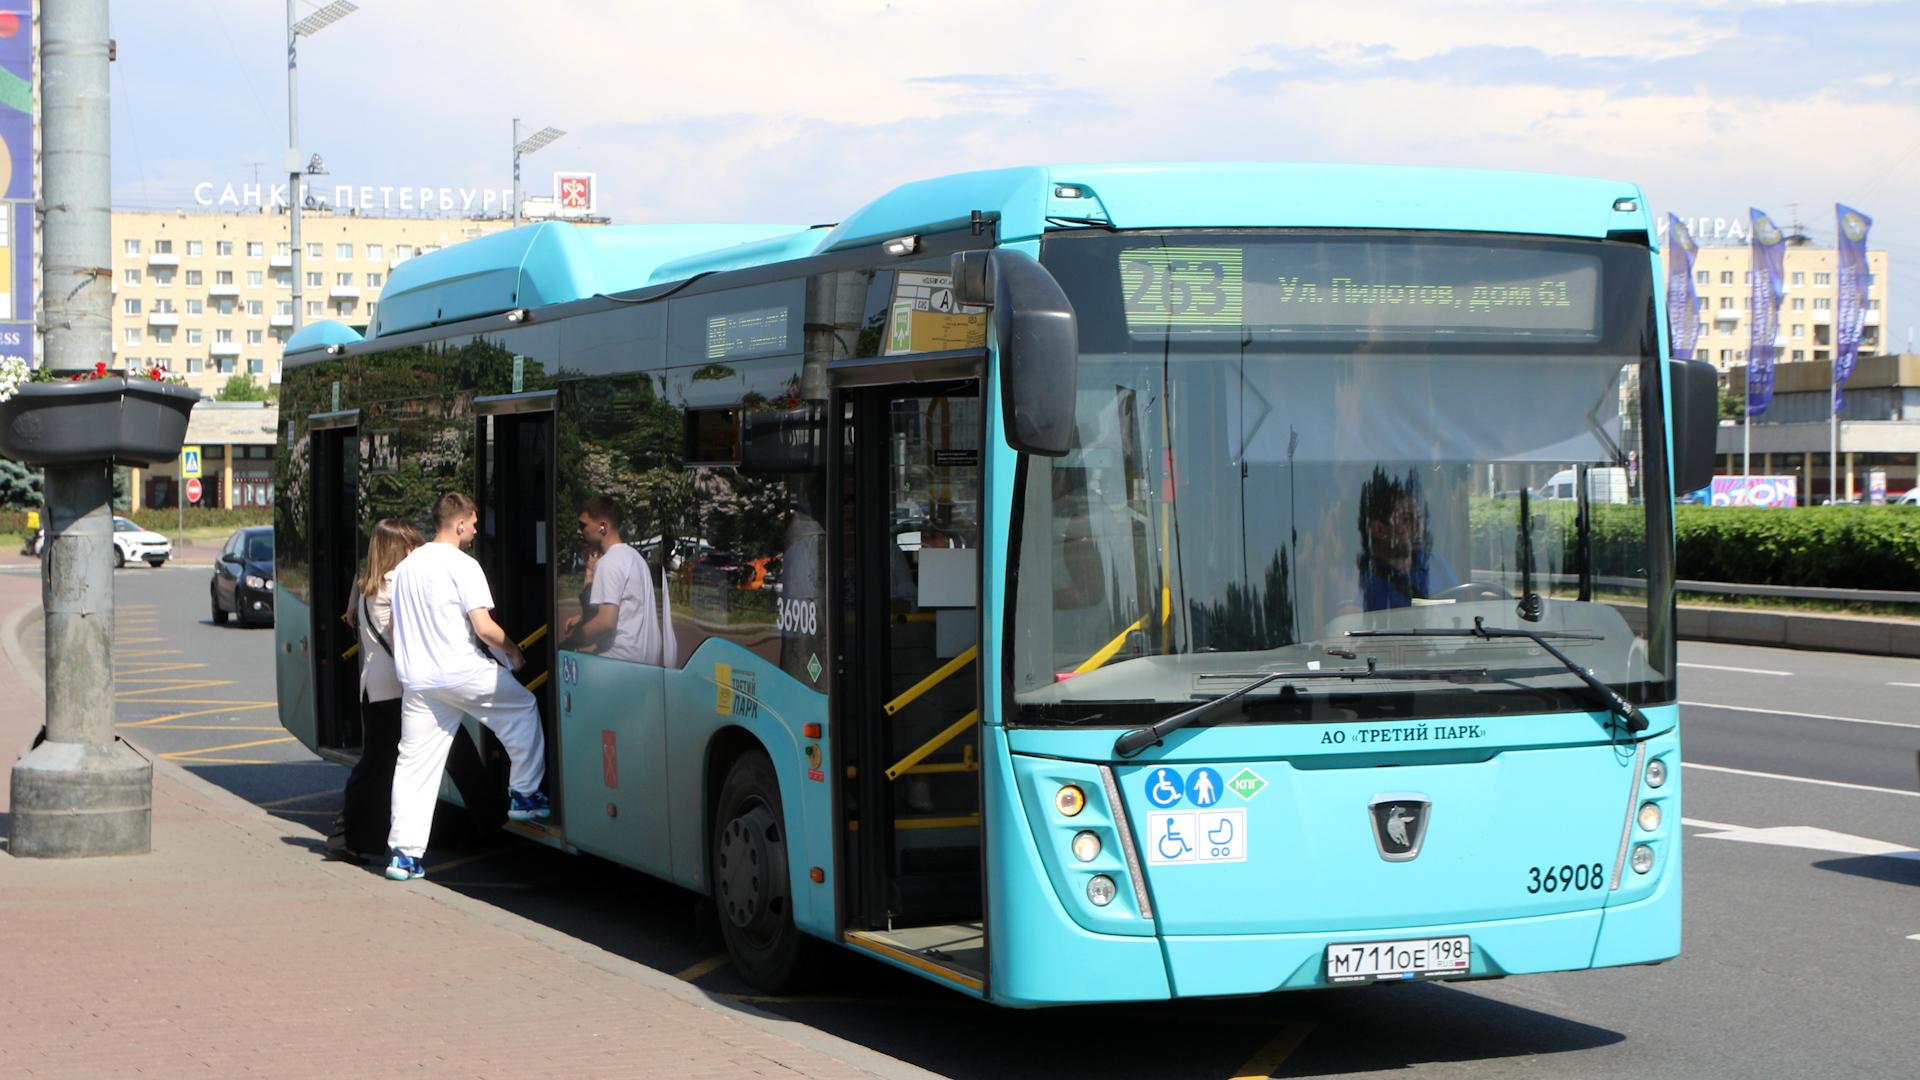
147	652
175	755
307	813
231	706
296	798
710	964
1275	1053
179	684
211	727
170	679
118	640
466	860
150	667
195	701
226	761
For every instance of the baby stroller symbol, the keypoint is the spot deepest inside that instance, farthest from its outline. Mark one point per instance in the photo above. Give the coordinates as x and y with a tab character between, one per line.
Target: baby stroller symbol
1172	844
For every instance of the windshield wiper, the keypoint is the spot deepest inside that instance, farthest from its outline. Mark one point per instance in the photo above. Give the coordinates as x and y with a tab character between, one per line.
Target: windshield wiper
1636	722
1139	739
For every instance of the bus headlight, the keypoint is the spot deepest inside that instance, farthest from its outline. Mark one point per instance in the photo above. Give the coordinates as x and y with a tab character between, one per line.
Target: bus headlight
1086	845
1642	858
1101	890
1069	800
1649	816
1656	773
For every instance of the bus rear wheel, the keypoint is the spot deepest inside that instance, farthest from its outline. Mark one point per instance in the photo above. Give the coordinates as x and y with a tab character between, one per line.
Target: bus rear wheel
751	888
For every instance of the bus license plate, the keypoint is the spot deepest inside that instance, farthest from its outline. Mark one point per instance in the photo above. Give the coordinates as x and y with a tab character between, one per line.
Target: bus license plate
1420	958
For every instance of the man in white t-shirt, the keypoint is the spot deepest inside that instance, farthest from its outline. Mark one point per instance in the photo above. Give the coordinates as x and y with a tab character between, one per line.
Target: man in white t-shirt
620	620
441	603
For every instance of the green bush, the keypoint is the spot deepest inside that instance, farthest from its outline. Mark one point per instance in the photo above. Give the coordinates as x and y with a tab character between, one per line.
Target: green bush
202	517
1835	547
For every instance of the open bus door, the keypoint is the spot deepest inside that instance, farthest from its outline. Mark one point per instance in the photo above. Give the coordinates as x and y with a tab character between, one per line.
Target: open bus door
908	475
335	558
514	491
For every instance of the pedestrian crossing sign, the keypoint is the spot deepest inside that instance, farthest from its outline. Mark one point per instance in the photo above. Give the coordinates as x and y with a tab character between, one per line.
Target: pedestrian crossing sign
189	463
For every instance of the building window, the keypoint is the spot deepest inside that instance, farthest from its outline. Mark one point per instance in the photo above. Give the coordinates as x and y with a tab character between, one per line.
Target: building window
283	307
195	307
1819	354
1799	354
1873	305
374	281
1823	303
223	248
162	276
255	307
283	249
163	305
193	335
255	279
283	279
315	279
1799	278
131	276
343	251
131	336
256	337
1748	279
1726	303
1822	278
194	364
1701	277
376	252
193	249
1869	281
163	335
224	364
223	305
223	277
1799	303
1799	330
131	305
1726	277
1700	303
343	280
314	309
193	277
256	249
256	366
1726	356
313	250
401	253
281	334
163	247
131	247
222	336
343	307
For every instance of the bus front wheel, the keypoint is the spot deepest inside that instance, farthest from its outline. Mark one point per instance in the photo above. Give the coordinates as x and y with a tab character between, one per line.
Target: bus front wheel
751	888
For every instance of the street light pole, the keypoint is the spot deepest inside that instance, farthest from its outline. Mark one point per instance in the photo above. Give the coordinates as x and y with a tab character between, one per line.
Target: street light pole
528	145
321	19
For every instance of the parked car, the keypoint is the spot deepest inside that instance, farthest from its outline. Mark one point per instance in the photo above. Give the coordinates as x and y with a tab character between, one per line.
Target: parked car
131	543
243	577
1910	498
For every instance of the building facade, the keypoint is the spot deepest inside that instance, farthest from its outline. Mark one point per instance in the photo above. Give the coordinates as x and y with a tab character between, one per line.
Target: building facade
1879	428
1723	288
208	295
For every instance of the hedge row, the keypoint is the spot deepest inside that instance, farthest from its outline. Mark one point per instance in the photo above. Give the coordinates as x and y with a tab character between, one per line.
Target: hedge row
15	521
1834	547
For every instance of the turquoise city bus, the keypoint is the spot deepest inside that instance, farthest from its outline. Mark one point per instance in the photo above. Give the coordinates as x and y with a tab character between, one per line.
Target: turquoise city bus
1069	584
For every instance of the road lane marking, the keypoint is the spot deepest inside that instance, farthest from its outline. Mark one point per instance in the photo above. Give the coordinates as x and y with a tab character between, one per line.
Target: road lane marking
196	684
212	727
464	860
1800	779
1698	823
1741	670
224	706
1275	1053
1802	715
152	667
1812	838
1904	684
177	755
226	761
195	701
271	803
710	964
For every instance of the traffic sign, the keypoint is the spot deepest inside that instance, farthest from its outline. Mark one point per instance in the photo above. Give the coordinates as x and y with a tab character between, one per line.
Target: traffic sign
190	462
193	489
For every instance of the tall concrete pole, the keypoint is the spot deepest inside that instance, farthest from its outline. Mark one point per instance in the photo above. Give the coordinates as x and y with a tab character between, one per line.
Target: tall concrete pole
294	164
80	790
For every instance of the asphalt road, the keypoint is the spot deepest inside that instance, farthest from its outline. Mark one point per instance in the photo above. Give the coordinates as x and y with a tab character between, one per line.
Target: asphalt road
1802	927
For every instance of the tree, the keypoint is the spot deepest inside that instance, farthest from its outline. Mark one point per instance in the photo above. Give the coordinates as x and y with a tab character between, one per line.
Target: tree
241	387
20	486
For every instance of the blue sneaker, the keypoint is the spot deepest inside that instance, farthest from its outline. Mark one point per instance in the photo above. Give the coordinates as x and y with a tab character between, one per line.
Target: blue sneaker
405	868
531	806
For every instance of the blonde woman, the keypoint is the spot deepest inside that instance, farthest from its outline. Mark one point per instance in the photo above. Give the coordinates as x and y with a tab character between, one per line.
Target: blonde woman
361	830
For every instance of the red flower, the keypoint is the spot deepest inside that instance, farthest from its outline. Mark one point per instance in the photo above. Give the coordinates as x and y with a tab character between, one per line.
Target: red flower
154	374
99	369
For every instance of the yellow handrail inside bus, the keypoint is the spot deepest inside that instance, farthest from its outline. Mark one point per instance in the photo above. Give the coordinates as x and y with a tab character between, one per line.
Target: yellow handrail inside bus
351	649
935	743
913	693
539	681
533	637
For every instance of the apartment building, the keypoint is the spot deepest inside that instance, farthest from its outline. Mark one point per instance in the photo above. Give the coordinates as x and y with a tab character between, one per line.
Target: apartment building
1723	287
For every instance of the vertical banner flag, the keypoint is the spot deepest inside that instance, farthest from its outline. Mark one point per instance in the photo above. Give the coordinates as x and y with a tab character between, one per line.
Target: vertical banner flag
16	179
1763	315
1850	307
1683	321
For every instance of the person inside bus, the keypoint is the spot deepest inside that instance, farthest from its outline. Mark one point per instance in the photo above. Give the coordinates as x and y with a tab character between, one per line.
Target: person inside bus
441	603
619	619
360	830
1397	563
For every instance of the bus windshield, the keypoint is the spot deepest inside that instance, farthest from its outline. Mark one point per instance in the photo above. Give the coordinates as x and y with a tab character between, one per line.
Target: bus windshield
1282	438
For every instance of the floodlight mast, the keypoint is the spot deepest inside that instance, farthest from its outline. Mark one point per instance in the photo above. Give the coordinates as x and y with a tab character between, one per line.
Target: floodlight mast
527	145
312	24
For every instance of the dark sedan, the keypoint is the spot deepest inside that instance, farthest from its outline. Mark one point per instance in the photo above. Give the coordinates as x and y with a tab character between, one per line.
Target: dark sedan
243	578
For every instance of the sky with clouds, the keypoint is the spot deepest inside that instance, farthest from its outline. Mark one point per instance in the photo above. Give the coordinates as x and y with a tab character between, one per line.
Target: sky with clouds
800	111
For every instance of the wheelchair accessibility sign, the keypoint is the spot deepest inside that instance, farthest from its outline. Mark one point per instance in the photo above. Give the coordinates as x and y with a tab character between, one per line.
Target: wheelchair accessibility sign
1196	836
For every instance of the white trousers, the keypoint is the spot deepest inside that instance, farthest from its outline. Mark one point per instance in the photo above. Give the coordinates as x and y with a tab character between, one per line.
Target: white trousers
429	720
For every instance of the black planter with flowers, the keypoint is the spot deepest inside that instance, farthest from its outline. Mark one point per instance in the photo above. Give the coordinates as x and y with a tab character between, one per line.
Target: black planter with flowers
95	417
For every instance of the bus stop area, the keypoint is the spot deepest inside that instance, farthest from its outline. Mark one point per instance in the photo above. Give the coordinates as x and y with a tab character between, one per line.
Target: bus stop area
232	950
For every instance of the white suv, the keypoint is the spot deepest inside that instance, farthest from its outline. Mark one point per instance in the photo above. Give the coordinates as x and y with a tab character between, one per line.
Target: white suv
132	543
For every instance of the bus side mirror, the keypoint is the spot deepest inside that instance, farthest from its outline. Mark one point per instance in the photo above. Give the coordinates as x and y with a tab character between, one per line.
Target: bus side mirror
1696	422
1039	344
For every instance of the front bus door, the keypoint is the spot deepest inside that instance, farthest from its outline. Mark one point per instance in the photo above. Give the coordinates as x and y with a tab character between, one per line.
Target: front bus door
335	559
909	481
514	491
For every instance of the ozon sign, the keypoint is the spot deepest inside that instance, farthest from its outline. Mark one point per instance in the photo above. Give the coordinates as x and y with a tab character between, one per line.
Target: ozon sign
1774	491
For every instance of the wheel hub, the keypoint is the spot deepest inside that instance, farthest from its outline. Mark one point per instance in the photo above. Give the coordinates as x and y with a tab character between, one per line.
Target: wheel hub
746	881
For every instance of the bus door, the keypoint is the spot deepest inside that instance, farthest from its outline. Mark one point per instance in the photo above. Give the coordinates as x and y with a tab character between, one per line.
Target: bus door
909	490
334	514
514	491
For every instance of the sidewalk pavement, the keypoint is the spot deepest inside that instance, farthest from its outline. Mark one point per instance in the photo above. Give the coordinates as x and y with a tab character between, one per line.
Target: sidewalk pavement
230	950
